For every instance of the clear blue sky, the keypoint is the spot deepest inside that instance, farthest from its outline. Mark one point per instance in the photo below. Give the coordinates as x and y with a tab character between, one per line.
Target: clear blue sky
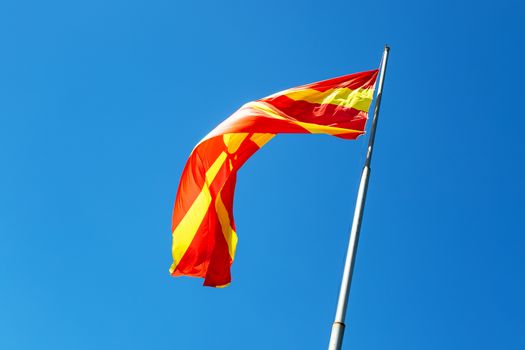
102	101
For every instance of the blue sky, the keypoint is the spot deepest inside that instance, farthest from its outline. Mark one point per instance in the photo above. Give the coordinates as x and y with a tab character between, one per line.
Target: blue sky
101	103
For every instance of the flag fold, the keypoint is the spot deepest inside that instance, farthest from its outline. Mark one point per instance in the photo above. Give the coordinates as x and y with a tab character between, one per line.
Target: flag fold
203	229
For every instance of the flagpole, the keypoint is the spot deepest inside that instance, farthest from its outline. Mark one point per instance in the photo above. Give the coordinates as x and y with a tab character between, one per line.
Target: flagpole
338	327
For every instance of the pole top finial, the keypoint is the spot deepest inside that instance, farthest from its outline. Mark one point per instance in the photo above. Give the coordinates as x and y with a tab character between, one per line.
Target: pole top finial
387	48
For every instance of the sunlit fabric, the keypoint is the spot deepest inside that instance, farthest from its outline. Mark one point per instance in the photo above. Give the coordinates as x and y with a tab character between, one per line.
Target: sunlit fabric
203	229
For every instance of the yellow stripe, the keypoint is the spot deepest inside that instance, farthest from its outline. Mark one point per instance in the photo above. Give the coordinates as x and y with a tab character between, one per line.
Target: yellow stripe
359	99
323	129
233	141
264	107
187	228
261	139
310	127
229	233
214	169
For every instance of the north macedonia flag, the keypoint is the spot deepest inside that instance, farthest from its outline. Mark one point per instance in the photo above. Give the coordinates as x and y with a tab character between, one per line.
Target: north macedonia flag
203	229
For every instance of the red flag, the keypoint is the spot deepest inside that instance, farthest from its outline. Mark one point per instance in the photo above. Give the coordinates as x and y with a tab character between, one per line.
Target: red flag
203	229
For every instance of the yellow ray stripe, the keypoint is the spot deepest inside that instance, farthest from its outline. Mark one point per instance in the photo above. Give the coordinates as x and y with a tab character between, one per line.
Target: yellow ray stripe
266	108
359	99
188	226
310	127
233	141
229	233
323	129
260	139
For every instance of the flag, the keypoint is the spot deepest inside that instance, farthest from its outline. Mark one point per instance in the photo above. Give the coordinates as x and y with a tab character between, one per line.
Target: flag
203	229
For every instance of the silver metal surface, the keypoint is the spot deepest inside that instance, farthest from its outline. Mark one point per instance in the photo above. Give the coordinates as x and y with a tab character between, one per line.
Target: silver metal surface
338	327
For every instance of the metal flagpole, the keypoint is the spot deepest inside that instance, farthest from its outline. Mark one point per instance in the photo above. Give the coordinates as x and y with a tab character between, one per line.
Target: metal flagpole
336	338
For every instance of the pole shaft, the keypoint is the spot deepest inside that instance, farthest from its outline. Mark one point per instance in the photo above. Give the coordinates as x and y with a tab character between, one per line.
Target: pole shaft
336	337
